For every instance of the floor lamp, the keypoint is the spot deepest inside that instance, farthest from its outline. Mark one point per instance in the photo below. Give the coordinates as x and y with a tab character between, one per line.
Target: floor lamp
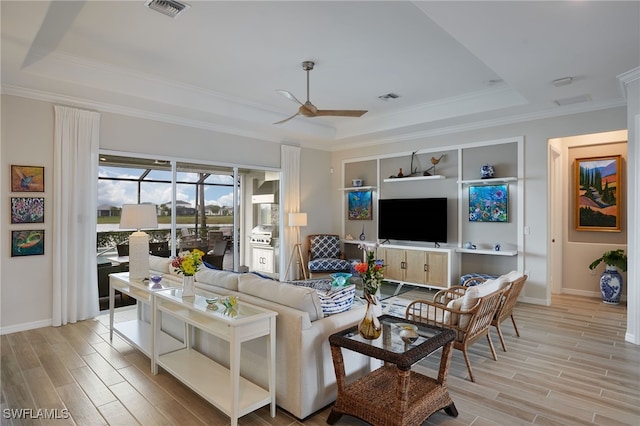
297	220
138	216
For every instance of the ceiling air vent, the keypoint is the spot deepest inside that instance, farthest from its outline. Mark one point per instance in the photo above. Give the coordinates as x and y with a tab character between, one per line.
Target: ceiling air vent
573	100
170	8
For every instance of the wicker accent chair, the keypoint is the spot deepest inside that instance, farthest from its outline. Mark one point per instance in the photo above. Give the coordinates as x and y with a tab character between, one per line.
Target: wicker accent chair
324	254
508	303
505	310
468	312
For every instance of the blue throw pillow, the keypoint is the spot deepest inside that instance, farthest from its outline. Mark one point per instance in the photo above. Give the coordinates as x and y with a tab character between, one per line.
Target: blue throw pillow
208	265
336	300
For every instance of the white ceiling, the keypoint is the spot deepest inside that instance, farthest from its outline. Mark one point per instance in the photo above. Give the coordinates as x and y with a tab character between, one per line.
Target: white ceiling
454	64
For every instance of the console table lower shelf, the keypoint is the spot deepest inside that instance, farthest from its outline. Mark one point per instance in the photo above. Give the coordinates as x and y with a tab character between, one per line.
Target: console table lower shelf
222	386
207	378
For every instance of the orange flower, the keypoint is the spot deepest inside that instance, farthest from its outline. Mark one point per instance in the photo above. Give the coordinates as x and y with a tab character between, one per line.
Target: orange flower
361	268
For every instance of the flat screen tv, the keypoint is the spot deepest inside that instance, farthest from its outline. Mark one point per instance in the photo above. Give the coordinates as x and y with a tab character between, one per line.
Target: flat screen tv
413	219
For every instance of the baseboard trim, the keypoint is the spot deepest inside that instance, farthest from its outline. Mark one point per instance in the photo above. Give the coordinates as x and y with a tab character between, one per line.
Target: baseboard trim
534	301
586	293
25	326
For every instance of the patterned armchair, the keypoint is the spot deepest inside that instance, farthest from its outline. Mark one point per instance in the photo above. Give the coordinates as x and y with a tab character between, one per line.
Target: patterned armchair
325	256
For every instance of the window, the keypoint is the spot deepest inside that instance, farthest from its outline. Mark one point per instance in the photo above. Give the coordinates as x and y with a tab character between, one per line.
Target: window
204	205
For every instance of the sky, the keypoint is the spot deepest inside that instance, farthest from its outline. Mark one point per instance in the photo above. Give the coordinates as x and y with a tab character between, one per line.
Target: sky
117	193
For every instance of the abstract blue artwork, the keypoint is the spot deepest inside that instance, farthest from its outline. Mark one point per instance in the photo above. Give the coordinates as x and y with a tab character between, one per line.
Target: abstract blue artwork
488	203
359	205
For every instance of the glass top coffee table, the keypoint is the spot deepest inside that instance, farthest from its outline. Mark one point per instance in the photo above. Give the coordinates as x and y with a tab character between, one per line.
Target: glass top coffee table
393	394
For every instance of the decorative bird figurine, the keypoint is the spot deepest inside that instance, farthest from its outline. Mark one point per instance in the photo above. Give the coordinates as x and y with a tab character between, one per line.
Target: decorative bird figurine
435	160
431	171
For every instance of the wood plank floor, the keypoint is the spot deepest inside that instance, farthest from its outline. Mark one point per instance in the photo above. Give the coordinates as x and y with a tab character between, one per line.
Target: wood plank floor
571	366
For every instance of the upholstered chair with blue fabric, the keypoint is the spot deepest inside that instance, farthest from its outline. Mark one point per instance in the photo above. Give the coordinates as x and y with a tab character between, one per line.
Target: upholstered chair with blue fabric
325	256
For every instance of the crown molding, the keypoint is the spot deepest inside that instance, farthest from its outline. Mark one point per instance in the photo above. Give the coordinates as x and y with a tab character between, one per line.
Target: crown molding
327	144
627	78
521	118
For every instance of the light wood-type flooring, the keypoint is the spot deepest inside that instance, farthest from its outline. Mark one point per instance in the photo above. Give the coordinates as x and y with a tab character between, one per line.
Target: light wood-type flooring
571	366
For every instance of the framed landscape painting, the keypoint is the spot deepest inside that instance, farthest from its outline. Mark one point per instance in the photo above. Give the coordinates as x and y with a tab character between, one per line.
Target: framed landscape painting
27	242
27	179
359	205
27	209
597	194
488	203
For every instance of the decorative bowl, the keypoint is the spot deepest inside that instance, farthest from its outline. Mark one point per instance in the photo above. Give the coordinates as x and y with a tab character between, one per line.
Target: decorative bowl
408	336
155	279
406	326
211	303
340	279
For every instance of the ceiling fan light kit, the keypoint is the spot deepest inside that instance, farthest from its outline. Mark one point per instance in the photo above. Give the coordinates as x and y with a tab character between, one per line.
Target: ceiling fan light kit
307	109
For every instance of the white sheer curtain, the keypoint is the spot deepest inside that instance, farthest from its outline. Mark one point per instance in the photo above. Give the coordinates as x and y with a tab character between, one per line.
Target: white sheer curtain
75	172
290	162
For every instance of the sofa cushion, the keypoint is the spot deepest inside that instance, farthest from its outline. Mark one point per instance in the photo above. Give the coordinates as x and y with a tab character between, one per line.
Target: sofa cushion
159	264
215	277
338	300
329	264
301	298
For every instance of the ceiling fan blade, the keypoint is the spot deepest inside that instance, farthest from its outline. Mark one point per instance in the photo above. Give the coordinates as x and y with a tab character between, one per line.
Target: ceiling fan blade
340	112
287	119
288	95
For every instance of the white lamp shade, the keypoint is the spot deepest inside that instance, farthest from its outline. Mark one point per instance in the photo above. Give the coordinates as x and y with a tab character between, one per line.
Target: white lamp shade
297	219
138	216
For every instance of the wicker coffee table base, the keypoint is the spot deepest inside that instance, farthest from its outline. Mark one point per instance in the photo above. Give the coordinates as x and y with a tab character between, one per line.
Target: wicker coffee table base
390	396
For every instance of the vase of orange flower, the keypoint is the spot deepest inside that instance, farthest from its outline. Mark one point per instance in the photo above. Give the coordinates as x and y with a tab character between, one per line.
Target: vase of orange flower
372	273
187	263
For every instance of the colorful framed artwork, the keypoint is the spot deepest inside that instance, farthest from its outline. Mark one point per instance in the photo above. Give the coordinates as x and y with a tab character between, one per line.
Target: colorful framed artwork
27	242
359	205
27	210
597	194
27	179
488	203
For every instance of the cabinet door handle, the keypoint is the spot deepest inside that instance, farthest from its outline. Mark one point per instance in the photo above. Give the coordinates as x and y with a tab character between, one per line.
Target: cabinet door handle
403	265
426	267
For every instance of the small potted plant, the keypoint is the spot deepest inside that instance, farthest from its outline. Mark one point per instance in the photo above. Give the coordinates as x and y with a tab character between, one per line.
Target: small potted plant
611	280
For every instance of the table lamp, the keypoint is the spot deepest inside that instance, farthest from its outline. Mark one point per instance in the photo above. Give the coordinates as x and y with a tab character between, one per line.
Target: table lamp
297	220
138	216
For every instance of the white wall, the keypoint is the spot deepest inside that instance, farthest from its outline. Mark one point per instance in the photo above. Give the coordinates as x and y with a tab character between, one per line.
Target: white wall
27	139
536	135
633	191
25	282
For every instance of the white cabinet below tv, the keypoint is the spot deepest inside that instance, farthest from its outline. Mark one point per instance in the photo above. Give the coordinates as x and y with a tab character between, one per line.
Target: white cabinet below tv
420	266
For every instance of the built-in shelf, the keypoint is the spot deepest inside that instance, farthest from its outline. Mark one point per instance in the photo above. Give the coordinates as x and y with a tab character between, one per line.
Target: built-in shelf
410	178
357	241
488	181
358	188
488	252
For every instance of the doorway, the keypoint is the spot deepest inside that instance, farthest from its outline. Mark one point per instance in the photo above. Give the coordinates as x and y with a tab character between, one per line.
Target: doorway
566	245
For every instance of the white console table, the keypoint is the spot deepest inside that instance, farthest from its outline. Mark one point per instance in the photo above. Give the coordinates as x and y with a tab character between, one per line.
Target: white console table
221	386
138	332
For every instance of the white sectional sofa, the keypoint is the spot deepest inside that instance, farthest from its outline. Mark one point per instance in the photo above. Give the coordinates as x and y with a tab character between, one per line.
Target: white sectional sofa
305	379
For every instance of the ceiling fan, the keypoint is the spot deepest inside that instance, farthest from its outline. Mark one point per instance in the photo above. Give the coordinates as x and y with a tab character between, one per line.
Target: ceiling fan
307	109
